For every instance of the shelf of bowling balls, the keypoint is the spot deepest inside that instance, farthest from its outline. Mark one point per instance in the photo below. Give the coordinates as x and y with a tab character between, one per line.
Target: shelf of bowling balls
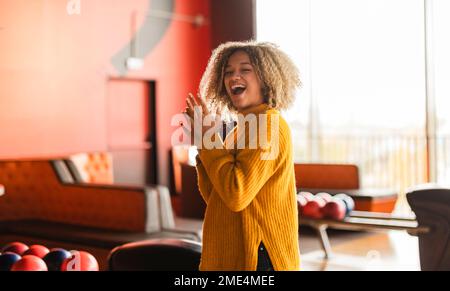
17	256
2	189
366	199
323	211
337	211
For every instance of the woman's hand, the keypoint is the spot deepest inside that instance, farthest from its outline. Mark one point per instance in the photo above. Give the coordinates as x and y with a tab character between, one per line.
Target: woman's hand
197	110
195	106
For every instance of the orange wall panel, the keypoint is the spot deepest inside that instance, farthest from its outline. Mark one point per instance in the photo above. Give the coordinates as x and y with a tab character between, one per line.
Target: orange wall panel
54	69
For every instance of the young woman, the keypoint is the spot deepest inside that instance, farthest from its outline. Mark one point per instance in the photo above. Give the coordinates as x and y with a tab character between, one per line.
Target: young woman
251	219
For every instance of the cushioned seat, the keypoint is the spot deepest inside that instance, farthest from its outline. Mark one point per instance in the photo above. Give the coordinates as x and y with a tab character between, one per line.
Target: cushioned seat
156	255
41	189
431	204
93	168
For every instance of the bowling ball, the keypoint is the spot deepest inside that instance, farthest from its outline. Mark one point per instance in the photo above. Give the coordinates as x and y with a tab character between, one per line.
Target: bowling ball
55	258
301	202
29	263
37	250
349	202
15	247
308	195
80	261
335	209
7	260
313	208
325	196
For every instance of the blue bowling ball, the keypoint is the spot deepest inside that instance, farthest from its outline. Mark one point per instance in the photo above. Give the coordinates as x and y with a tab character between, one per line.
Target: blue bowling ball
349	202
7	260
55	258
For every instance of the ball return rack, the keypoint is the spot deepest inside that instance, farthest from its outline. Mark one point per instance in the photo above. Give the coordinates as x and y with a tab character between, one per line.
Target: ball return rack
362	221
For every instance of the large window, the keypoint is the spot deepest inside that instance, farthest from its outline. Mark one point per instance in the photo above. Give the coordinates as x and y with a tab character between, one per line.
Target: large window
439	67
286	23
365	69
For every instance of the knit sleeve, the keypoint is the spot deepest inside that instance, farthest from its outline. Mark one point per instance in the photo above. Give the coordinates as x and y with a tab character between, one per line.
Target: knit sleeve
239	177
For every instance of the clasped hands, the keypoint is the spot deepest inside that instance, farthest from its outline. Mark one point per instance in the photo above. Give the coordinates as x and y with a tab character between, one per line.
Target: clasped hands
201	119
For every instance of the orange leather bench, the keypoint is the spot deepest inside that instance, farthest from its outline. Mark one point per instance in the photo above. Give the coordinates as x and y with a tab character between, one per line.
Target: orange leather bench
34	191
43	204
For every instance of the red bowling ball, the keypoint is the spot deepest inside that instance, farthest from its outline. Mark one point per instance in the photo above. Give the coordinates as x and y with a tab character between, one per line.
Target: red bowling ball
308	196
301	202
325	196
313	209
37	250
80	261
335	209
29	263
15	247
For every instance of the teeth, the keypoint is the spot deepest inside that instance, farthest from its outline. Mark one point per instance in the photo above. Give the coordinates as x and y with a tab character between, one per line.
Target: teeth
237	86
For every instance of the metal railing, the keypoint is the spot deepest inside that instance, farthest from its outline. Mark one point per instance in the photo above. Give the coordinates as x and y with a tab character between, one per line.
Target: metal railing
384	160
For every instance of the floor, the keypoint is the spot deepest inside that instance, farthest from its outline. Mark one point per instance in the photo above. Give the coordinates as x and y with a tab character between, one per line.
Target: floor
356	251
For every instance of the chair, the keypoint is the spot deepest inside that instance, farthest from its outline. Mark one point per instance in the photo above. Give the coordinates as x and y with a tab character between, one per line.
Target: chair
431	204
156	255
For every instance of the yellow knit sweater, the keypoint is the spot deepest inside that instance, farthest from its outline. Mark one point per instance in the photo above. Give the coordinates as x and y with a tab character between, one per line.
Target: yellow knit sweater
249	200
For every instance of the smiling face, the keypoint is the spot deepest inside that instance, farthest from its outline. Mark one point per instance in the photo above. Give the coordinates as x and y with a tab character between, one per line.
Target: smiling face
241	82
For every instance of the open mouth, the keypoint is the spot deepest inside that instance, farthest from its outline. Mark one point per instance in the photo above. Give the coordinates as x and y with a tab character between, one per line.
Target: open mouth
238	89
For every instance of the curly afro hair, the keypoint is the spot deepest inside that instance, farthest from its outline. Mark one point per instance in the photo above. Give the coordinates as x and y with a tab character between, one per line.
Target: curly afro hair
278	75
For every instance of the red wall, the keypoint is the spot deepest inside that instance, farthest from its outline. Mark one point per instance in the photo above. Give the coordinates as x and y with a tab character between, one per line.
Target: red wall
54	69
